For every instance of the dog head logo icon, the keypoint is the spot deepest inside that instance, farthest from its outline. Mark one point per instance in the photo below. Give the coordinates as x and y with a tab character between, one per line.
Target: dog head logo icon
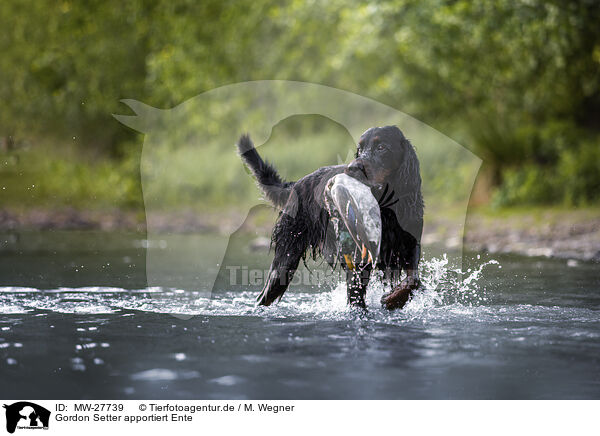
27	415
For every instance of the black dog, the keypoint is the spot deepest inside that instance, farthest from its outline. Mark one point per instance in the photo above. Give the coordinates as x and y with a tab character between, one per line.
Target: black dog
387	163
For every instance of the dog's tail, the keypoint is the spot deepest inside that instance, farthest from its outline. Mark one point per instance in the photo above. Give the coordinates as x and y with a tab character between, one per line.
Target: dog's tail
276	190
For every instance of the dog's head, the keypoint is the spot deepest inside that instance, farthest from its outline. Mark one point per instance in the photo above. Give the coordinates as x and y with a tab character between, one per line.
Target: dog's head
384	156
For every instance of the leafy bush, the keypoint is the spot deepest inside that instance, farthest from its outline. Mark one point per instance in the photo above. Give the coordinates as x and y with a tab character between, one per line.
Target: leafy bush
579	173
528	184
45	176
573	180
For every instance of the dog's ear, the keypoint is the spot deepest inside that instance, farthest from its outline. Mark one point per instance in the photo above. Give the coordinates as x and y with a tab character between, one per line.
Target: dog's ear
409	174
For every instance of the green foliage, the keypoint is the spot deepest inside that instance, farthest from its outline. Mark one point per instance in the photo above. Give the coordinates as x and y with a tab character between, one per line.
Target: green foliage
225	182
574	180
518	82
65	66
47	177
528	184
578	169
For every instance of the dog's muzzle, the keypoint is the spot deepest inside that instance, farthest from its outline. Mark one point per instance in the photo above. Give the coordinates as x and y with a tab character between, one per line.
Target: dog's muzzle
357	170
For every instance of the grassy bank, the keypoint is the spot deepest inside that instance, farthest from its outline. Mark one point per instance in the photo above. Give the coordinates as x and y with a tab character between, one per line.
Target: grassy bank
207	176
50	186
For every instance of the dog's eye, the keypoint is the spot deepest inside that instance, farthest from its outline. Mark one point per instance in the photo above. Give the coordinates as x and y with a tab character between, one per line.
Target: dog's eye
381	147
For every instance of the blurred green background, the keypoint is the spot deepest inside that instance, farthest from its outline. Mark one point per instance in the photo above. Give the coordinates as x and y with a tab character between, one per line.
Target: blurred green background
516	82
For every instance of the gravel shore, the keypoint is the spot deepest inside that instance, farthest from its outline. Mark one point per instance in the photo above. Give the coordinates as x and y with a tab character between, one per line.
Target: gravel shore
548	233
561	234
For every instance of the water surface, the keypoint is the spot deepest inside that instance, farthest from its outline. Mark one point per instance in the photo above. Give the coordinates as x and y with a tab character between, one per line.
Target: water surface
79	321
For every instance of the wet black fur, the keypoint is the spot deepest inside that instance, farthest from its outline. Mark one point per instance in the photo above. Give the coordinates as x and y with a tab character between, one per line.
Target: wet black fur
303	226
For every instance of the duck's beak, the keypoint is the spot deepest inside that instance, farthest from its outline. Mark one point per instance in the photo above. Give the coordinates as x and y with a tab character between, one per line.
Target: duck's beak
360	213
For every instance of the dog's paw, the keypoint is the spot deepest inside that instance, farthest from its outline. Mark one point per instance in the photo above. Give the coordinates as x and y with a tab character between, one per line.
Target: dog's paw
400	294
397	298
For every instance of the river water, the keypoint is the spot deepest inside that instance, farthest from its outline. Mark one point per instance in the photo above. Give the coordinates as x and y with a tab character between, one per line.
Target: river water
79	321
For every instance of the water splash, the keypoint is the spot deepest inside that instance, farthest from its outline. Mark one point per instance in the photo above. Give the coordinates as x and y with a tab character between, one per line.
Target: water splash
444	288
444	285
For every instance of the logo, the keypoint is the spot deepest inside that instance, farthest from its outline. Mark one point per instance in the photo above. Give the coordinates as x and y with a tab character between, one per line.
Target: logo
26	415
216	118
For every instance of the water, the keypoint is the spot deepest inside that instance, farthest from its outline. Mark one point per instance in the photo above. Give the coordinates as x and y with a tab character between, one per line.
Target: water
79	321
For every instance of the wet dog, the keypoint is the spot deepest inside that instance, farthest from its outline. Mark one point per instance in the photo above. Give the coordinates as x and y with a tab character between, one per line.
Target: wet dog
385	162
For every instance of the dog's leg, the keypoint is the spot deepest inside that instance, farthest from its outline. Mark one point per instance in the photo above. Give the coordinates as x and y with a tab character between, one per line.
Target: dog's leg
280	276
399	296
357	280
284	265
411	265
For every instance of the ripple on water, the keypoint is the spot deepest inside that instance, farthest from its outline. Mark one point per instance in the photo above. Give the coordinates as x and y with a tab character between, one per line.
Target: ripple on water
448	294
10	309
163	374
227	380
